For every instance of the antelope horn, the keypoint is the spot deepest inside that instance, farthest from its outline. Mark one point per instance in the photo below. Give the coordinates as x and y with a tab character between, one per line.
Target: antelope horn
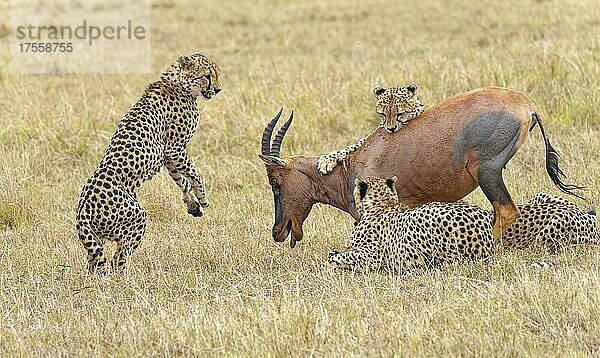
276	148
266	137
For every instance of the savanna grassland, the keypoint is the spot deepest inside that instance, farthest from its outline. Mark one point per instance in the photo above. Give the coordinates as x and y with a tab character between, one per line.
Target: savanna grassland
219	285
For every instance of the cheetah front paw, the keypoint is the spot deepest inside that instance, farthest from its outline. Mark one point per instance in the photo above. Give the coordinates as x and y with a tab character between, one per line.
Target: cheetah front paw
341	261
326	164
331	255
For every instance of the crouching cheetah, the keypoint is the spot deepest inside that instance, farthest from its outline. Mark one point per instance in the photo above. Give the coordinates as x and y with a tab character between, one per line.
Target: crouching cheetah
394	238
389	236
551	221
396	106
155	132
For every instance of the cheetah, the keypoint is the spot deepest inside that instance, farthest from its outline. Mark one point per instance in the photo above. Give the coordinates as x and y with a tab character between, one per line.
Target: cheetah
551	221
396	106
152	134
391	237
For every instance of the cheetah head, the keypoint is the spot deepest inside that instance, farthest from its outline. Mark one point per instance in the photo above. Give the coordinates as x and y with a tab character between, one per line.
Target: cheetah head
397	105
195	74
372	192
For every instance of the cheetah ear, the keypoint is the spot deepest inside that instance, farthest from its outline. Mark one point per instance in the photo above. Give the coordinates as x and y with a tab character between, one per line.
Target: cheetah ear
362	189
184	62
390	182
378	91
358	181
412	87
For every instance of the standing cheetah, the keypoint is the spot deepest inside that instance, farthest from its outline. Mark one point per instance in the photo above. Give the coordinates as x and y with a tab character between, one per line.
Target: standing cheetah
155	132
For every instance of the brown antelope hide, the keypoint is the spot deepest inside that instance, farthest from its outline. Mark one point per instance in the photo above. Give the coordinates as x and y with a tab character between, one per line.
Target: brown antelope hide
441	155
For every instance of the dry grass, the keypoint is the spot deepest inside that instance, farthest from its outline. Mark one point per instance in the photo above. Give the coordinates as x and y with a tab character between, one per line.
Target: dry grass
220	285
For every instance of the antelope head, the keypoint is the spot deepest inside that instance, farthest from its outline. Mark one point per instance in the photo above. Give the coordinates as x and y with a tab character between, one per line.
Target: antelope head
291	187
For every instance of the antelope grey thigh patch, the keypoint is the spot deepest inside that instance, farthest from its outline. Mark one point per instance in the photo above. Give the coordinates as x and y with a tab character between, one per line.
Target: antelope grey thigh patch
489	134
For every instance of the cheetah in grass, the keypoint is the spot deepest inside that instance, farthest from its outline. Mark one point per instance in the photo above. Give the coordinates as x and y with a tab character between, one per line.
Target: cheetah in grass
551	221
154	133
391	237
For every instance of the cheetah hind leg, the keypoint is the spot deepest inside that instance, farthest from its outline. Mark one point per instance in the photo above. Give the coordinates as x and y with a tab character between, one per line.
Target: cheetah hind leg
194	206
95	249
200	193
552	237
130	240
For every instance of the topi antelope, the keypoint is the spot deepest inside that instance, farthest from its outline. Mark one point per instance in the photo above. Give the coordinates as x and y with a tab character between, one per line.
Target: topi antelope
441	155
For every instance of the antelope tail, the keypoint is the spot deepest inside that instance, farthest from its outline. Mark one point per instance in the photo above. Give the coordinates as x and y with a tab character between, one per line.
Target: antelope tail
552	167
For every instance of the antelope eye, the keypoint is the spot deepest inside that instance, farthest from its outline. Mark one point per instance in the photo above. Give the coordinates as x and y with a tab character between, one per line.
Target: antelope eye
273	181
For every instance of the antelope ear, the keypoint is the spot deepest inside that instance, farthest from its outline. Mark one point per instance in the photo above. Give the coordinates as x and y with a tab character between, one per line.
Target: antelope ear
271	161
412	87
362	189
390	182
378	91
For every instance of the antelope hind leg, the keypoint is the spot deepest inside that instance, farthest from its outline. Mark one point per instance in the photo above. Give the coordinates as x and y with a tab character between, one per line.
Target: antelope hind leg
504	216
490	180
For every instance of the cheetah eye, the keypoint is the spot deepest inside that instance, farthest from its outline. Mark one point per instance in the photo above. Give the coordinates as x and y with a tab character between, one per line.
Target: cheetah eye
399	114
381	114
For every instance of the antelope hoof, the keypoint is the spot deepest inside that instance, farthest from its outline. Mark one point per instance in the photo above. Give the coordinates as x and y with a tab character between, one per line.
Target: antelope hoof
326	165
